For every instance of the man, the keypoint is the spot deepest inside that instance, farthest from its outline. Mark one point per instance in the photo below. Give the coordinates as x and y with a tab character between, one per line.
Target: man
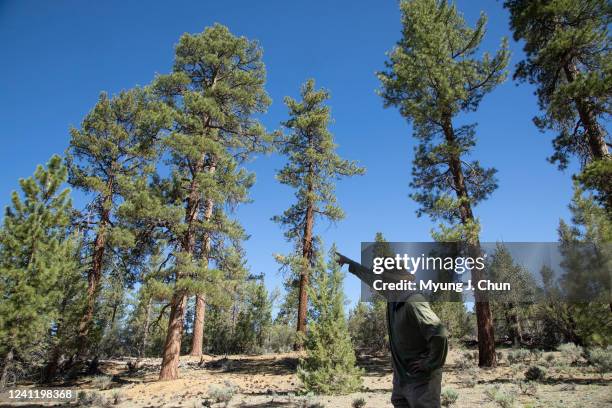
418	343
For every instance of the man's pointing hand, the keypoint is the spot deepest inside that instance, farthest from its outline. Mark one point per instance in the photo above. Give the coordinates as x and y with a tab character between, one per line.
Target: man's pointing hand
341	259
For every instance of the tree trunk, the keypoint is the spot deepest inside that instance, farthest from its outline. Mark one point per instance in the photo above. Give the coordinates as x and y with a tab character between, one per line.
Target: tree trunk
200	305
145	331
172	345
198	326
6	366
595	133
514	327
307	254
484	318
57	351
94	275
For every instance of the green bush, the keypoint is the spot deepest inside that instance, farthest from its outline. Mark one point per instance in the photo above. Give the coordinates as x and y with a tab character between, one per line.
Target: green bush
101	382
601	359
359	403
571	352
117	397
519	356
536	354
502	398
535	373
469	376
528	388
91	399
467	360
280	338
448	397
222	395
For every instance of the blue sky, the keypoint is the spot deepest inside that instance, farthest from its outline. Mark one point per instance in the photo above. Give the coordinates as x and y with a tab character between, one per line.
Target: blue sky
56	57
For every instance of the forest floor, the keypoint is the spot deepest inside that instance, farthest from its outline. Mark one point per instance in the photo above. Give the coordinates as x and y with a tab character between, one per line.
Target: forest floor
270	381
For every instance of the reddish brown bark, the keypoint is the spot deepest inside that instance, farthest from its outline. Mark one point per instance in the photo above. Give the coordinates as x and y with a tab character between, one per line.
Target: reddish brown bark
172	345
95	273
594	132
200	305
198	326
484	319
307	254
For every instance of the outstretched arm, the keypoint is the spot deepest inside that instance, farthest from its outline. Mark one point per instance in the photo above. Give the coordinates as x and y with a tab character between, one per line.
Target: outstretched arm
363	273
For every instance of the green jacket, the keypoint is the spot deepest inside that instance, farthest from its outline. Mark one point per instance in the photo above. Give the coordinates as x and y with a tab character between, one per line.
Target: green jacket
415	334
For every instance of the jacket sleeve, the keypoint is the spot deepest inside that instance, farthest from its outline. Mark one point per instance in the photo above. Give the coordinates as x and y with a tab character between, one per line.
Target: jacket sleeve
363	273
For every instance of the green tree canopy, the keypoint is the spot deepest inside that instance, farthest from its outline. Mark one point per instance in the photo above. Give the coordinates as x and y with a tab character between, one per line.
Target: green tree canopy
313	166
215	89
433	74
329	366
567	48
35	251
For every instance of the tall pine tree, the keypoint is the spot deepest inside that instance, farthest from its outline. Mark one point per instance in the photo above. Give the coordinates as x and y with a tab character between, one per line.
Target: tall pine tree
114	145
35	251
433	75
567	47
313	165
216	87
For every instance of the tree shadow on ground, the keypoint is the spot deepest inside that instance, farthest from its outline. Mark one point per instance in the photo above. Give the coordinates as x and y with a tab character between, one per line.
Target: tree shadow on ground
553	381
375	364
273	366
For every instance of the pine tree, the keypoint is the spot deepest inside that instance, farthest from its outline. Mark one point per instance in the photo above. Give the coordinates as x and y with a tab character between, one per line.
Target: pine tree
254	318
433	76
567	48
510	307
115	144
329	366
312	166
227	298
63	341
35	251
378	309
216	86
585	309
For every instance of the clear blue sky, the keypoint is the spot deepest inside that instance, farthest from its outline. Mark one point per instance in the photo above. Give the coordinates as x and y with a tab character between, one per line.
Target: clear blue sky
56	56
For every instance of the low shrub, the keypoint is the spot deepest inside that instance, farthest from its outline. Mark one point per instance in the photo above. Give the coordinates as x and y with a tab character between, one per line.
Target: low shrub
448	397
359	403
222	394
102	382
519	356
502	398
571	352
535	373
528	388
91	399
601	359
468	379
117	397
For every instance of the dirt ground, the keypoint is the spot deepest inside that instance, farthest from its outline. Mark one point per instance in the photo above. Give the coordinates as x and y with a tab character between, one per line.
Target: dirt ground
270	381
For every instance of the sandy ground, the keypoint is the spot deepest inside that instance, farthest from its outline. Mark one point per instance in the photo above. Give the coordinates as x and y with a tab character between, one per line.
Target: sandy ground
270	381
